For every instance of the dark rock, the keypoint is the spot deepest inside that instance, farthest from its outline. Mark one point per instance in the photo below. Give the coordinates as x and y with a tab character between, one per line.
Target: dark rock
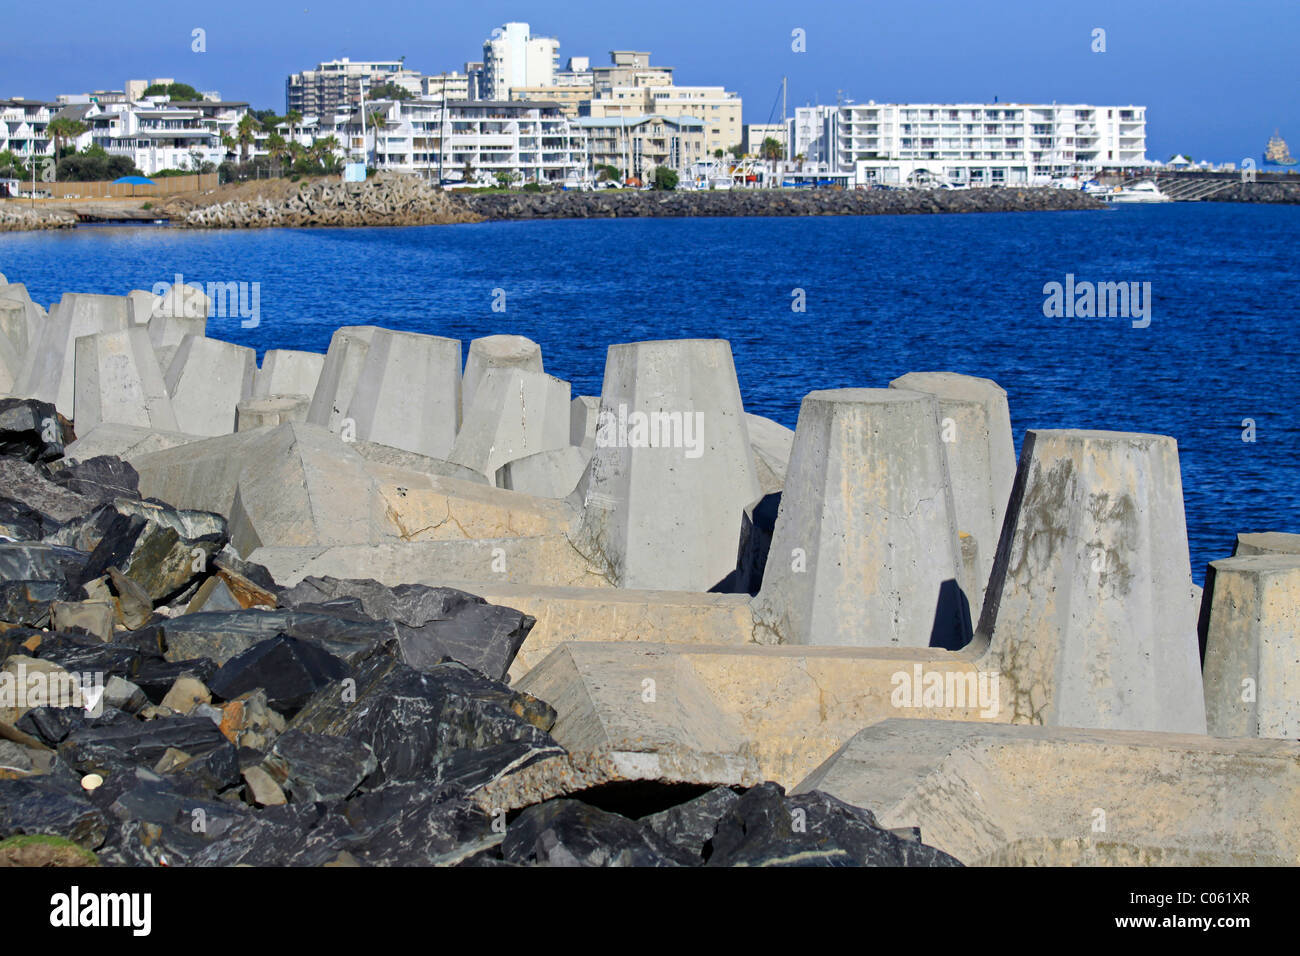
31	485
28	602
288	669
572	833
134	604
81	654
51	725
289	835
32	430
156	676
34	561
138	742
413	720
251	584
690	826
162	826
31	806
319	767
221	635
102	478
767	828
432	623
86	531
19	522
398	825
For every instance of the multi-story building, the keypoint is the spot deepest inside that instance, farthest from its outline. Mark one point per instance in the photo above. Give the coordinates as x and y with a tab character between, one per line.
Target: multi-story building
513	57
757	133
531	142
630	68
969	143
156	136
453	86
636	145
644	95
337	85
23	125
474	76
568	98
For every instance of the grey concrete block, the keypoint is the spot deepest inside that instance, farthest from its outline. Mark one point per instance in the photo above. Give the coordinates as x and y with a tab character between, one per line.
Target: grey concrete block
547	474
1252	647
772	443
407	393
141	306
118	380
207	379
583	414
1052	796
673	471
1266	542
123	441
1088	609
338	376
286	372
276	410
498	351
516	413
975	427
48	367
865	549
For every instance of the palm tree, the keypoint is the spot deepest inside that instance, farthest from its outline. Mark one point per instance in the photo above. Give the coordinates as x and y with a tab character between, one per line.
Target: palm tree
293	118
246	135
62	129
277	148
326	150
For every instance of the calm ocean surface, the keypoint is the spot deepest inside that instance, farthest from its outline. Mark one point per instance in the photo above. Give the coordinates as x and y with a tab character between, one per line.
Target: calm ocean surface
884	295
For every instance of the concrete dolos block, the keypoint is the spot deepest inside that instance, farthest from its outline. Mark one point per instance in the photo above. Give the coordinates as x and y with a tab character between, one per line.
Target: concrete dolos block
207	379
547	474
338	377
1266	542
865	549
118	380
1048	796
49	365
286	372
407	392
1088	606
515	413
975	428
1252	647
672	471
498	351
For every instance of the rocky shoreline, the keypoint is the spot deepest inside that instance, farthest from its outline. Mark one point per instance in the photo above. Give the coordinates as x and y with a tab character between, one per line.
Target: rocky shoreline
384	607
14	218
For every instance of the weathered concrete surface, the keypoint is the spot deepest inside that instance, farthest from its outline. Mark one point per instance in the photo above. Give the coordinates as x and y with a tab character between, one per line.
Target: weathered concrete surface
207	379
1252	647
141	306
288	372
772	443
423	507
124	441
408	392
1088	606
584	412
49	364
339	373
117	379
1266	542
865	549
547	474
498	351
794	706
387	456
616	614
1001	796
268	412
515	413
975	428
545	560
672	471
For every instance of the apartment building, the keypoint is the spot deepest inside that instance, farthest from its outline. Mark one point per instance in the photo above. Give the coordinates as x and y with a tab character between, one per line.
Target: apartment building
156	136
24	124
636	145
983	144
513	57
629	68
719	110
532	142
337	85
568	98
757	133
453	86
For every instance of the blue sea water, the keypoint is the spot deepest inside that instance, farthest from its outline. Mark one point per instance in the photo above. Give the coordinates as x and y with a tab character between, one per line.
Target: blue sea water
884	295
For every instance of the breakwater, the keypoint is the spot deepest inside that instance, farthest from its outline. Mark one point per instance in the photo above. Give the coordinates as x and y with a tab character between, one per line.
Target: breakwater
15	218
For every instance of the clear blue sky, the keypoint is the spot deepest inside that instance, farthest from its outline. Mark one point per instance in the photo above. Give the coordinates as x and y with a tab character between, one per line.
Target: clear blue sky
1217	77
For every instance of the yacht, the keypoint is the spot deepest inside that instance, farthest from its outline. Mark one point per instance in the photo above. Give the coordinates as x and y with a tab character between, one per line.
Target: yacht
1143	192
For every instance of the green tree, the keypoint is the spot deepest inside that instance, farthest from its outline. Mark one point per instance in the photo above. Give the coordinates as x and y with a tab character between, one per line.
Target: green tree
719	153
467	172
277	148
736	151
63	130
177	91
245	135
607	174
504	179
389	91
665	178
11	165
93	164
771	149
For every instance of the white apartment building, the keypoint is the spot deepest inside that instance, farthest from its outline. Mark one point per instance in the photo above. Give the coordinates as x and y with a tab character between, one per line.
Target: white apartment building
337	84
156	136
532	142
976	144
453	86
23	126
512	57
636	145
718	109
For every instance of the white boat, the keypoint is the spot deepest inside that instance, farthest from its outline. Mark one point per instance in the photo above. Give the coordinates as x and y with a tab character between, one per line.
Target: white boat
1143	192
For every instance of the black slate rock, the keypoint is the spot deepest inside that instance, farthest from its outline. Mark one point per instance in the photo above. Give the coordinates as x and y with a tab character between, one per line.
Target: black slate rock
36	806
318	768
31	430
767	828
288	669
573	833
101	478
690	826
